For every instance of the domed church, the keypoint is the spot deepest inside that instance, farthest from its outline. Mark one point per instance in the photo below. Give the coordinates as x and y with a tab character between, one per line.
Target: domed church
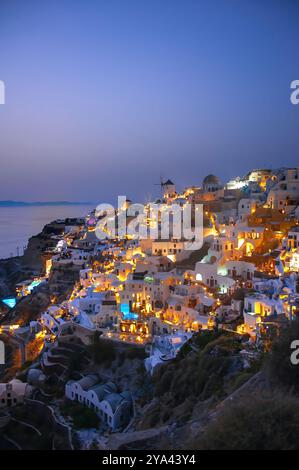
211	183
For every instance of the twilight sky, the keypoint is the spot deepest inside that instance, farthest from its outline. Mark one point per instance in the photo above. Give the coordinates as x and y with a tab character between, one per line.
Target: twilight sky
103	97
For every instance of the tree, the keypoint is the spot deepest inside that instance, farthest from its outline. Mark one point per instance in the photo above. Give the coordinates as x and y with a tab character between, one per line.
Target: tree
85	418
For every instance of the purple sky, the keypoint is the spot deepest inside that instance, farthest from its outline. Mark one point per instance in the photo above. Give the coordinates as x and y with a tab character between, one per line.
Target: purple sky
103	97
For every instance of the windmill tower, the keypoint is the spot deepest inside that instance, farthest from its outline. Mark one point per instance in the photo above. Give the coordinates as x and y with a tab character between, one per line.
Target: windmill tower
167	188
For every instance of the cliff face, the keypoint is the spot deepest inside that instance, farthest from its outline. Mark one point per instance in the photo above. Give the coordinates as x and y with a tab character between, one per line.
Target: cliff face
11	272
33	255
15	270
30	307
59	286
32	263
207	370
32	258
62	280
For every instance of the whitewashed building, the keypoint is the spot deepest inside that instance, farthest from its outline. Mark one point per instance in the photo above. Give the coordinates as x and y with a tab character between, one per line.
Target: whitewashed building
113	408
13	393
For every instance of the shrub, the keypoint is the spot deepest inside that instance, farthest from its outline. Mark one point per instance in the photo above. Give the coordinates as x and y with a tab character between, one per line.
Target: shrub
82	416
136	353
86	418
205	337
278	363
259	423
101	350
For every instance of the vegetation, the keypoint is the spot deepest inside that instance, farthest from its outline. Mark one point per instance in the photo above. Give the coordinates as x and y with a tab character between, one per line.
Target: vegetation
76	361
195	376
278	365
259	423
101	350
202	374
136	353
82	416
205	337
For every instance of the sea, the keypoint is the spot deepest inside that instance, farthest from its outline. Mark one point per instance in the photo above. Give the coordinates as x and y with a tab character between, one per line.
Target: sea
18	224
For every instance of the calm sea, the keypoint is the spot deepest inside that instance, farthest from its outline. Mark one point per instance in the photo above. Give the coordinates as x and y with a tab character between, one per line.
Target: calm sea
18	224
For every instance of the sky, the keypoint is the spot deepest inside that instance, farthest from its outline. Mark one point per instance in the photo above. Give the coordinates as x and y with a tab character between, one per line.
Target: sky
105	97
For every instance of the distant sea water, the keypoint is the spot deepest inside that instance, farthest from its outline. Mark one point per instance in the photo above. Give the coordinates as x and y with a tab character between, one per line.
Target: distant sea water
18	224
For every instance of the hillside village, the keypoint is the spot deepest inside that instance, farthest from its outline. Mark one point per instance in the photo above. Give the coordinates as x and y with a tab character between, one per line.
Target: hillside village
110	334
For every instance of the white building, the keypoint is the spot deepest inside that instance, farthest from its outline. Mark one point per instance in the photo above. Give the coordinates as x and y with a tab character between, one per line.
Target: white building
113	408
237	269
246	206
13	393
257	306
211	275
76	257
174	249
143	290
293	238
52	319
95	309
284	194
165	348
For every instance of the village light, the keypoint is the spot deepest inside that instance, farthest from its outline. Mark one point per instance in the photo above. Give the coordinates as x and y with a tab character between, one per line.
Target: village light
14	327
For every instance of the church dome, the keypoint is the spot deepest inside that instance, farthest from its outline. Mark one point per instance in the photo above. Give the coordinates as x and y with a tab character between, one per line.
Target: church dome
211	179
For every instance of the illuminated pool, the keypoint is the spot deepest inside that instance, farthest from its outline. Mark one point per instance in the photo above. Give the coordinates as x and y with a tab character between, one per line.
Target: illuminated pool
130	316
33	285
127	315
10	302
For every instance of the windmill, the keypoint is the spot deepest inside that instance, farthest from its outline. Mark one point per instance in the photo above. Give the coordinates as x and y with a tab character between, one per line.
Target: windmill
167	187
161	184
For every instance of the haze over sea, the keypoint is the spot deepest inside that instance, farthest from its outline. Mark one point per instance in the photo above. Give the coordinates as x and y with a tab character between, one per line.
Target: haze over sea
18	224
